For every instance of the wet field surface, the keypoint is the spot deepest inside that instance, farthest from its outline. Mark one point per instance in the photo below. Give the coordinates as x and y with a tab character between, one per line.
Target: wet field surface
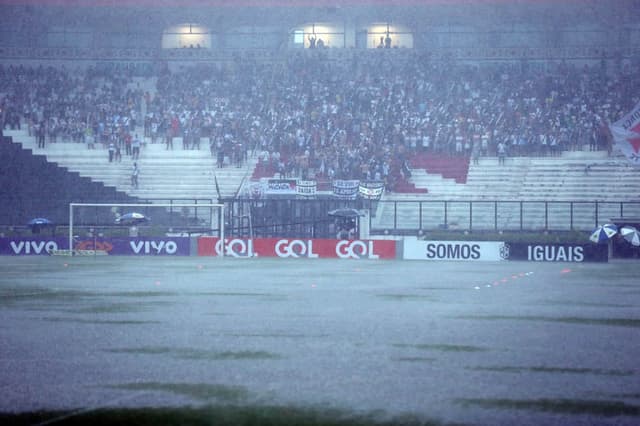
471	343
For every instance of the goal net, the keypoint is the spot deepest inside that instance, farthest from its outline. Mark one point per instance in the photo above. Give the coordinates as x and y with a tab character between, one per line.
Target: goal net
97	221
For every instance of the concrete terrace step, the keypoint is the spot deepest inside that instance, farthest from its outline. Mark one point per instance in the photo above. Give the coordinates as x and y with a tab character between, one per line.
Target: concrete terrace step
164	174
573	176
434	183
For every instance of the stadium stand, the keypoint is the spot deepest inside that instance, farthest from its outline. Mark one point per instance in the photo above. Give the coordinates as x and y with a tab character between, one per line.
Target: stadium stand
164	174
429	120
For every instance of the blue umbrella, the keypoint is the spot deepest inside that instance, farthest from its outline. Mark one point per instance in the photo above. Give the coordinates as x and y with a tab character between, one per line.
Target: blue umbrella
132	219
40	221
603	233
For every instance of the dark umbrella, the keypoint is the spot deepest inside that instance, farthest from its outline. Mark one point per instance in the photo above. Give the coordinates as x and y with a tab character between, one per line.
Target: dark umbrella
345	212
132	219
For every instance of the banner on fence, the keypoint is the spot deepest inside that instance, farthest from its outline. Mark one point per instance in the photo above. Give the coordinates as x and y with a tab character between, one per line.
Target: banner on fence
371	190
280	187
346	189
307	188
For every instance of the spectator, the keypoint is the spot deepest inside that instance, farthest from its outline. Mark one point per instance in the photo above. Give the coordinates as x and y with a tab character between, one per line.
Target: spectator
336	119
40	131
135	146
475	154
134	175
502	152
112	151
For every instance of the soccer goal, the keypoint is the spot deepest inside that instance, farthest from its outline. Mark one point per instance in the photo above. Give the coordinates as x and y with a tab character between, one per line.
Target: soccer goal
105	220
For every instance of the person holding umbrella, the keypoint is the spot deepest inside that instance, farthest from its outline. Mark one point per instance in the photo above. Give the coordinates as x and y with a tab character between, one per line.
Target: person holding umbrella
346	222
39	223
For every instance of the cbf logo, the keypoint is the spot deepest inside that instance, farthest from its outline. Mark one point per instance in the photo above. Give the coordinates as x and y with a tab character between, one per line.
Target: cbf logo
504	251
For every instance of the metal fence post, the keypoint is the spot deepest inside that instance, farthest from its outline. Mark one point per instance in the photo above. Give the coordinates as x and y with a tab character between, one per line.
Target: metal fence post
521	207
446	223
395	215
546	215
571	215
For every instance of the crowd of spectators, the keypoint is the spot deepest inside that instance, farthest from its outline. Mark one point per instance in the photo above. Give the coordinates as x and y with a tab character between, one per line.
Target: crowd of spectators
313	117
60	105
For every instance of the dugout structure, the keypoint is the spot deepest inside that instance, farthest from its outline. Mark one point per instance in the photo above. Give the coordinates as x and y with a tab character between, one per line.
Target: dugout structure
161	219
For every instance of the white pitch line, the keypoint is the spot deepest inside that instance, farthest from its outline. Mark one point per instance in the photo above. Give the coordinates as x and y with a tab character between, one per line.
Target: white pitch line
88	410
25	294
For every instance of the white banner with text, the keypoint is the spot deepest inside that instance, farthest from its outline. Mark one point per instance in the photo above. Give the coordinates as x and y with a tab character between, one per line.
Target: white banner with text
415	249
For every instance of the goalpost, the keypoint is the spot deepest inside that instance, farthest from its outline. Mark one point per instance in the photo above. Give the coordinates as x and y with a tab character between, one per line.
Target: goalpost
157	219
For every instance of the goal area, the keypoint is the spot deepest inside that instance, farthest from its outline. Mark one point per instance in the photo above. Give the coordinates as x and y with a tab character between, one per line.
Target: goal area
107	220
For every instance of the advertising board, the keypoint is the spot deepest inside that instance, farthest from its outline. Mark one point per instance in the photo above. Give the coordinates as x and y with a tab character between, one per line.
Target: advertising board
298	248
558	252
31	246
414	249
174	246
24	246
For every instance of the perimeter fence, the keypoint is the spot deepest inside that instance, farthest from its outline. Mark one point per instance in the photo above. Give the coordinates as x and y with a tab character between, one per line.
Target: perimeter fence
310	218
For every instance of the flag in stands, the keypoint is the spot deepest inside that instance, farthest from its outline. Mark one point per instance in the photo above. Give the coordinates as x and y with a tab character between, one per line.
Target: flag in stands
626	135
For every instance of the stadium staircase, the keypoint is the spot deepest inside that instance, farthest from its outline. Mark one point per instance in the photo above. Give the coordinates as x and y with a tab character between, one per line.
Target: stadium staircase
165	175
434	173
26	195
